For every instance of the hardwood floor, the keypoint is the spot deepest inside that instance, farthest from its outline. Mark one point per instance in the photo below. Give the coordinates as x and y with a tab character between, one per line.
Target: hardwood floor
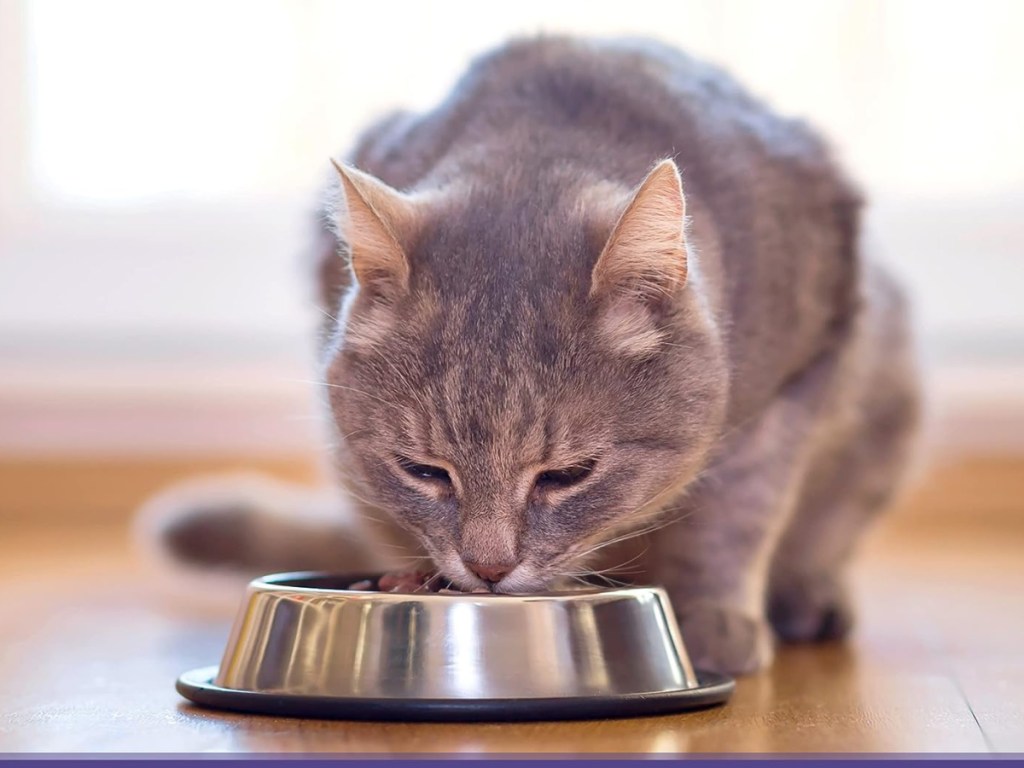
89	654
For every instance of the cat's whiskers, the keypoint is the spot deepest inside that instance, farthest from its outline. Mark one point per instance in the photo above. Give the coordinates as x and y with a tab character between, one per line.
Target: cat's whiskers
583	579
372	518
612	581
573	556
619	566
325	313
396	546
655	513
351	486
338	386
410	558
619	539
346	489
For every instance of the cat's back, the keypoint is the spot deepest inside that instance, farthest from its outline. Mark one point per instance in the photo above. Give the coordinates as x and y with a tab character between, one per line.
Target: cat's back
617	105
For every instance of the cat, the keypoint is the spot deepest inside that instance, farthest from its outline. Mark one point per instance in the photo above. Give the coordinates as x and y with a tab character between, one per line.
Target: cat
598	312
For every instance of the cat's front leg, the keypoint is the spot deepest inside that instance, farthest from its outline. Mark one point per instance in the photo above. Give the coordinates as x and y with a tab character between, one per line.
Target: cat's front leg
714	560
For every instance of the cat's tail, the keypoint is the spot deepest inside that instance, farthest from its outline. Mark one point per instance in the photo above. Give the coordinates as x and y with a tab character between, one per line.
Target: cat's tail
203	539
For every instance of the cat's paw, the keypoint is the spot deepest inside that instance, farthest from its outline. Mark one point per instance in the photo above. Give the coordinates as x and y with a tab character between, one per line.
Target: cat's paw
810	609
720	638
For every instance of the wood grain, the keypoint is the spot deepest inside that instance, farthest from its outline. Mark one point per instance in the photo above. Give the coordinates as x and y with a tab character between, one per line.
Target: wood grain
995	689
106	491
89	654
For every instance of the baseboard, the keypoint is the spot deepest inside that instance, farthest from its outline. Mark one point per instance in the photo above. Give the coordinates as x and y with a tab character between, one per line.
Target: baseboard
268	410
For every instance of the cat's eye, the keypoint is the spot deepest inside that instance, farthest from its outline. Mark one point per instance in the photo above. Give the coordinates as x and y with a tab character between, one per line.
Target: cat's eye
424	471
566	477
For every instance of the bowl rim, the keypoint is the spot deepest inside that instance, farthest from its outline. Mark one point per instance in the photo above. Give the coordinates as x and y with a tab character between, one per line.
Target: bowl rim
281	583
198	686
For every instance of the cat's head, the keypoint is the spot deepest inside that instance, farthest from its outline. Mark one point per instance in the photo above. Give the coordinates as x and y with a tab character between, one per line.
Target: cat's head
518	377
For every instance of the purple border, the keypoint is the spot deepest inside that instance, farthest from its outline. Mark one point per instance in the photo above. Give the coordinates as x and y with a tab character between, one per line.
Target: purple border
167	760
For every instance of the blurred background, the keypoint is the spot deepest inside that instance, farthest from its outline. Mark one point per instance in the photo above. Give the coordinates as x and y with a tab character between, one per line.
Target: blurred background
159	168
159	165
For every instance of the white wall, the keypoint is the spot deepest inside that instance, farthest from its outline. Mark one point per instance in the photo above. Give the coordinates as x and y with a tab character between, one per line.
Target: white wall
158	160
172	147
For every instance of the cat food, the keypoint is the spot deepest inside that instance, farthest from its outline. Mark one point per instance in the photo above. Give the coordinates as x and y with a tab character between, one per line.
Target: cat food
411	581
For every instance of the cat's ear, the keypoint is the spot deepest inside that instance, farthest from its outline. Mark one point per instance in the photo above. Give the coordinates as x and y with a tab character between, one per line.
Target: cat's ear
373	219
645	256
643	264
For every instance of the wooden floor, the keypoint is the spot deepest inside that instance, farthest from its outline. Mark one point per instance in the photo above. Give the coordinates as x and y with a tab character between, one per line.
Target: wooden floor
88	661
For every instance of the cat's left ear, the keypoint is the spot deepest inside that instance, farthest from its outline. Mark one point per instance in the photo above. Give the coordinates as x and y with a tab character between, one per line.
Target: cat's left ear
646	256
643	265
374	219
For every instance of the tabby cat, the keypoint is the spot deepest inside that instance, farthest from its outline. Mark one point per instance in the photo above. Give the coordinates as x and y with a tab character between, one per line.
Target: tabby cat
598	312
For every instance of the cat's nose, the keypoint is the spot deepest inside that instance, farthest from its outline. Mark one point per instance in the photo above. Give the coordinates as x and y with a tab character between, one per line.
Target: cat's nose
492	572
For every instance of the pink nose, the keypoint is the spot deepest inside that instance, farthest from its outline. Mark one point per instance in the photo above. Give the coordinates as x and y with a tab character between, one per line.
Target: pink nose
489	571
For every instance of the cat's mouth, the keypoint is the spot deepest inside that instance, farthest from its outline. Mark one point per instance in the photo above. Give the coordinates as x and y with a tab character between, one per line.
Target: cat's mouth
517	580
428	581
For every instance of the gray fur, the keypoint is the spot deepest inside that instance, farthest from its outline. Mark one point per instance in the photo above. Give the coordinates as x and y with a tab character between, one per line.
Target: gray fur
769	427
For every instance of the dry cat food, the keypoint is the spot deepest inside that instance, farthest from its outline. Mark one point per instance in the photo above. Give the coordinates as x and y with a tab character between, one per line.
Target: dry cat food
411	581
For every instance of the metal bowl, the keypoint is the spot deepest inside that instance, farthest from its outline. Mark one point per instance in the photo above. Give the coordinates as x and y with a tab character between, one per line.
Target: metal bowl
304	645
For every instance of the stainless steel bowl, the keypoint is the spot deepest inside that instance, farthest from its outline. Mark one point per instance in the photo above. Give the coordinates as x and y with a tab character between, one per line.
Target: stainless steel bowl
302	644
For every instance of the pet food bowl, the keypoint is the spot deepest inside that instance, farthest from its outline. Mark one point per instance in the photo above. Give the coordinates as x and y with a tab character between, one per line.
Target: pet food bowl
304	645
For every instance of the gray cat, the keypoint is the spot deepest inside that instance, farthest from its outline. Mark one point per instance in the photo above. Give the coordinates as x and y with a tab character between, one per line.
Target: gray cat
600	311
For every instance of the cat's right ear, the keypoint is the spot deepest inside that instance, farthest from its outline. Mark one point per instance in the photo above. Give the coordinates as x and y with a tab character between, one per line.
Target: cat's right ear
372	220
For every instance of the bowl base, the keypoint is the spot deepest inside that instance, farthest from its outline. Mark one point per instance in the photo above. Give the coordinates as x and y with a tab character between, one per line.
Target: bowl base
197	686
